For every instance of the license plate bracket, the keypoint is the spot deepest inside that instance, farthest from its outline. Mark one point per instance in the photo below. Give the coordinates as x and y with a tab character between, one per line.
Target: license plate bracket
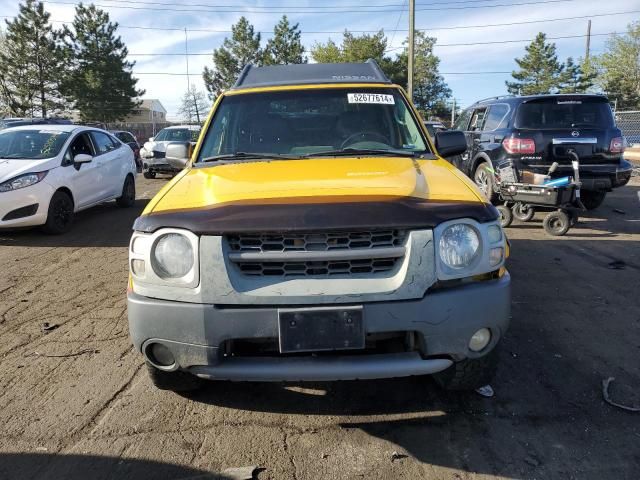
320	329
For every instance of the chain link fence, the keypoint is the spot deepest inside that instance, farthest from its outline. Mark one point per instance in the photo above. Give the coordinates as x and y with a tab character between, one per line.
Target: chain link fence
629	123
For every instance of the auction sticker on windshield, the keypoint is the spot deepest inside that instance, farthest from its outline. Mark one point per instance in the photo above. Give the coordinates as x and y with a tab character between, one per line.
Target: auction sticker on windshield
371	98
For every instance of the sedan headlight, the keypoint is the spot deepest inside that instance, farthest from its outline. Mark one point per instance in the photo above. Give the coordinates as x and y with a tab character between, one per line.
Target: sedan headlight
459	246
172	256
22	181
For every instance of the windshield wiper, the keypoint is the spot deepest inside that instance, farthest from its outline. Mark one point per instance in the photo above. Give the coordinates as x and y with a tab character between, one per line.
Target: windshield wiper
364	151
248	156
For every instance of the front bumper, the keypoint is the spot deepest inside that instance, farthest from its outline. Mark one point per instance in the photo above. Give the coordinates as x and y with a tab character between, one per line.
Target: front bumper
442	320
39	194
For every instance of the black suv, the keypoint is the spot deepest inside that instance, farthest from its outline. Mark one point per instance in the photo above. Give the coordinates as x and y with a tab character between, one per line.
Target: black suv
530	130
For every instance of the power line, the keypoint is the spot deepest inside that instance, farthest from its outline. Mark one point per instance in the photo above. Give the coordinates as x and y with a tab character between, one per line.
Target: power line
289	11
309	32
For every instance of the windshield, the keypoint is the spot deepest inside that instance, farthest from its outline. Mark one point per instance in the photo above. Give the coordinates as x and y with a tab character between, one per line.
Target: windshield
310	122
557	113
31	144
176	135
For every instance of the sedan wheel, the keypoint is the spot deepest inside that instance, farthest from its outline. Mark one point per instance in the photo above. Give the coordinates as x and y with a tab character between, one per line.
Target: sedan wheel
60	214
128	198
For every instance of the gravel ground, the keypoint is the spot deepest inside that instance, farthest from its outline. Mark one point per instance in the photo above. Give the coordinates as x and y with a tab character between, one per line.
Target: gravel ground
76	403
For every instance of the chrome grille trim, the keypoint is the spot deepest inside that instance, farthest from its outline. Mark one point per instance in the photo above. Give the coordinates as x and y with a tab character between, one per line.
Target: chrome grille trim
319	256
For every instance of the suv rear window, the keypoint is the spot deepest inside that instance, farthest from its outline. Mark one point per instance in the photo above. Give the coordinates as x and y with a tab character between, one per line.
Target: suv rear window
564	113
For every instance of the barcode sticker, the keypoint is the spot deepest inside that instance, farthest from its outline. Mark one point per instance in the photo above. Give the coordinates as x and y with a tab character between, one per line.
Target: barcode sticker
378	98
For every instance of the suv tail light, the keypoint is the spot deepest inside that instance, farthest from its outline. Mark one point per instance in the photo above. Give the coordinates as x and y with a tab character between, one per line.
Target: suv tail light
617	145
519	145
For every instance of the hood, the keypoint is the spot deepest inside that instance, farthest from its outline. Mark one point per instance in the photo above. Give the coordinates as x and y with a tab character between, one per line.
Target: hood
313	179
315	194
156	146
12	168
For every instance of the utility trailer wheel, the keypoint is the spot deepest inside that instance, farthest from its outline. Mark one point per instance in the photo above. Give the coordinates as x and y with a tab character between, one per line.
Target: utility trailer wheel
557	223
574	218
523	212
506	215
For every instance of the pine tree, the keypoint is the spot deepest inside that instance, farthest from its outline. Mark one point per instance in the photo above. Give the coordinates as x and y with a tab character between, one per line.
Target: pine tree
285	47
100	83
31	62
619	68
575	79
540	71
241	49
194	105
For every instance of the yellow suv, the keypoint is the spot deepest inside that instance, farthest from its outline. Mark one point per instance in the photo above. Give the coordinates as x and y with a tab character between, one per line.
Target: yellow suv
317	234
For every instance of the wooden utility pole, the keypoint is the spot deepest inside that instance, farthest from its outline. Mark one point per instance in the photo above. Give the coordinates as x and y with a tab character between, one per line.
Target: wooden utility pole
412	41
586	55
453	112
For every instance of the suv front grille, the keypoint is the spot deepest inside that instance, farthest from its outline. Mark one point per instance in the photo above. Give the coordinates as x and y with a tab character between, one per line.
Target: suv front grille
317	254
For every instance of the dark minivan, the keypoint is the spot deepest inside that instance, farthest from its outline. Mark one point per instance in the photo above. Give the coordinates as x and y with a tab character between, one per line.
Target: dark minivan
531	131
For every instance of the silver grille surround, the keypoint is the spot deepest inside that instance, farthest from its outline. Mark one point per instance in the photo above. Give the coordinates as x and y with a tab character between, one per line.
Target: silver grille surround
317	254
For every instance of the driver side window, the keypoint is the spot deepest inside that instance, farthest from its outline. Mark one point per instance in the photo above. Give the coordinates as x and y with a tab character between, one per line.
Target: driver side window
80	144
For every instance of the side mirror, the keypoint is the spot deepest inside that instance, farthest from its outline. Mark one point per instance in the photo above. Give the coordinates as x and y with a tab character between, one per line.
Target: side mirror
178	154
450	143
151	139
82	158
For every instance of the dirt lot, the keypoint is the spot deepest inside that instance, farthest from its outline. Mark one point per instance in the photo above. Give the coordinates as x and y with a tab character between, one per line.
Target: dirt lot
76	403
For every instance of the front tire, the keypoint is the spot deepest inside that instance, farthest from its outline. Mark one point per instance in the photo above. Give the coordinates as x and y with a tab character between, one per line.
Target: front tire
128	197
592	199
175	381
59	215
483	177
149	174
506	215
470	373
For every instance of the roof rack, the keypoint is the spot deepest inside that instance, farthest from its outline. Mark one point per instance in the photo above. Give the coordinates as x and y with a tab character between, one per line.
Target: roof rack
497	97
304	74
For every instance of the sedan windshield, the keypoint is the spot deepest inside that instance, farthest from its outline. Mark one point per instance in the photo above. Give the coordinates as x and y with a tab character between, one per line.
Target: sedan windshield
31	144
299	123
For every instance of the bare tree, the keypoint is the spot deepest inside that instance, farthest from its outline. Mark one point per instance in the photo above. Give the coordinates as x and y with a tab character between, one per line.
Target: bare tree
194	106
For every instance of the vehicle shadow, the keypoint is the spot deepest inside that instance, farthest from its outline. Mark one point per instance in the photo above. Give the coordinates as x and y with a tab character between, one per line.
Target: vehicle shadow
20	466
104	225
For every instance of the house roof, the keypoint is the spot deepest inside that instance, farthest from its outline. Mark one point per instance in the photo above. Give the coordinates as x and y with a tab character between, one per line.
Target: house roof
301	74
152	104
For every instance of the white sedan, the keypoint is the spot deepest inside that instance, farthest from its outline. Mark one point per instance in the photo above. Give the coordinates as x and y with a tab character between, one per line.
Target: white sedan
49	172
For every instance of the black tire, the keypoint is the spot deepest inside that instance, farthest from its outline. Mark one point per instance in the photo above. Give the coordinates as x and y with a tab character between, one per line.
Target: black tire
592	199
469	374
483	176
506	215
574	218
149	174
59	215
523	212
557	223
128	197
175	381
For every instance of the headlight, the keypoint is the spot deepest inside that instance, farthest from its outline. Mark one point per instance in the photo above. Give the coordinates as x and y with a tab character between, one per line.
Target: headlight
22	181
459	245
172	256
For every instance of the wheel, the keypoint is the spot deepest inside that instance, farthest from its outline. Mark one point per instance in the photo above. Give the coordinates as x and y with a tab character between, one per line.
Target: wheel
592	199
128	197
469	374
149	174
557	223
483	177
523	212
175	381
60	214
506	216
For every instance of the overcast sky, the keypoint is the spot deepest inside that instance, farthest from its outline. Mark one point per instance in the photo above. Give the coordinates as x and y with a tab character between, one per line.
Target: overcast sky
431	15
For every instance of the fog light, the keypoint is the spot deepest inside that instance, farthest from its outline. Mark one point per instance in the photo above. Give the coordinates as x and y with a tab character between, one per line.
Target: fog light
137	267
480	340
495	256
161	355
